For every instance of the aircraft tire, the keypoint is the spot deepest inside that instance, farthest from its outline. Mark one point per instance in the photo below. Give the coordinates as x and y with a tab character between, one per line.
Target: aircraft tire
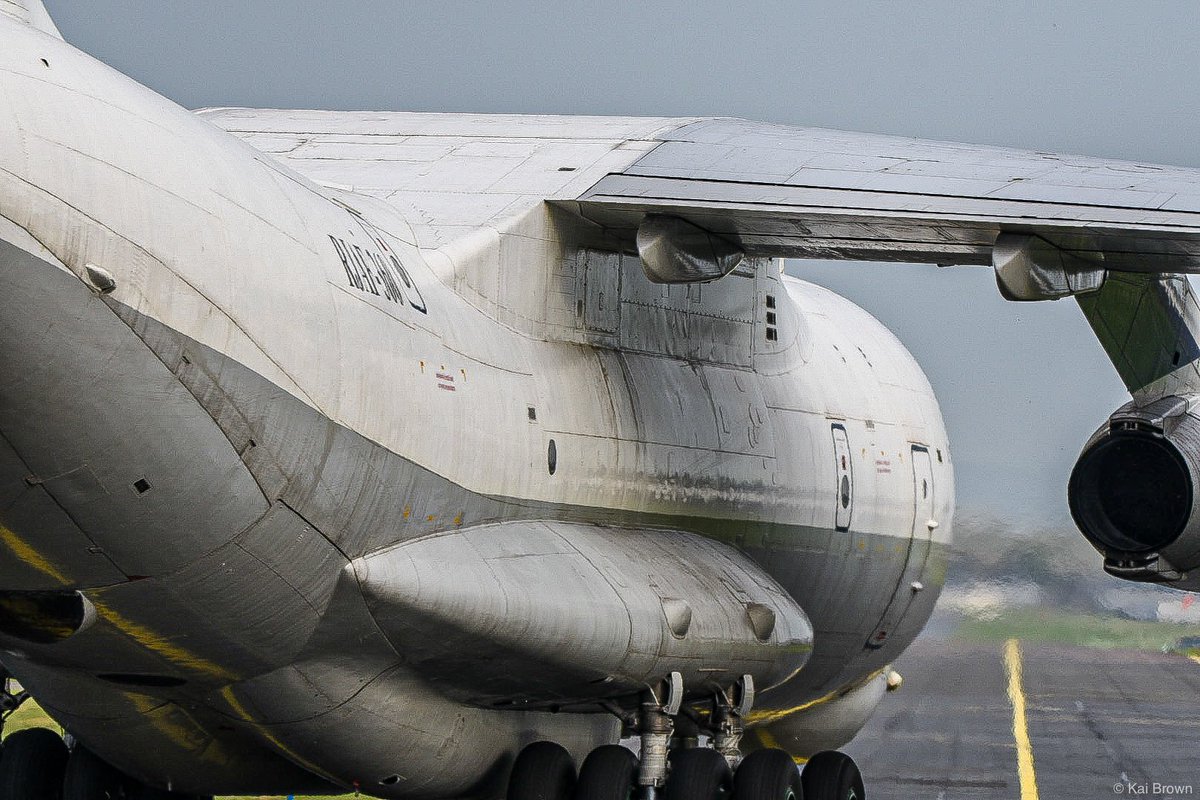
33	766
542	771
608	773
698	774
768	775
88	777
832	775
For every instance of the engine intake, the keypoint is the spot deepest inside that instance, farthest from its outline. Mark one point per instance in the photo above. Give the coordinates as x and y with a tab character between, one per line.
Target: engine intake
1133	492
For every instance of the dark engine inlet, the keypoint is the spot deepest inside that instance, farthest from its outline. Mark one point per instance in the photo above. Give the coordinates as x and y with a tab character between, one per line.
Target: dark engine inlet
1133	491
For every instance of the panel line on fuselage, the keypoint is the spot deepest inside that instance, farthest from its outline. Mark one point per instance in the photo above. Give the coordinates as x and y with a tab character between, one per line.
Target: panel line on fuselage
230	697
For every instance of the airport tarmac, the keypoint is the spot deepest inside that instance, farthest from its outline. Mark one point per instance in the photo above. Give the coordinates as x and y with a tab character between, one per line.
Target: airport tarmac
1098	724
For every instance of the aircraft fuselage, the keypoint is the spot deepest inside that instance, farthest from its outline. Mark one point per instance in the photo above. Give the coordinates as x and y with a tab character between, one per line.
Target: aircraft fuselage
234	399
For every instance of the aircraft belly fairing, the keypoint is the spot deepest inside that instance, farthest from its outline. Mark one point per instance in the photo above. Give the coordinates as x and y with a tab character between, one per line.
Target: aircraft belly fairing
602	611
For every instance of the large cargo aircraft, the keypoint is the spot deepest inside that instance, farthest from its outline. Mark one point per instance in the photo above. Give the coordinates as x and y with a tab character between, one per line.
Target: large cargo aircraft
430	455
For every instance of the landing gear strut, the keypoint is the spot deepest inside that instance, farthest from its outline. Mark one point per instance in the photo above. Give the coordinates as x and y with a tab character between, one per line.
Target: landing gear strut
707	774
674	767
656	724
730	710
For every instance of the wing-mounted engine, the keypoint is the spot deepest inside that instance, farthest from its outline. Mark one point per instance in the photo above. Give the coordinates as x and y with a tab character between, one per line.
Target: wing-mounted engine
1133	492
593	612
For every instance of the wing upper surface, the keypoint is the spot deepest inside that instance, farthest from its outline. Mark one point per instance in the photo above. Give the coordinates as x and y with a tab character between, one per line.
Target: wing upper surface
448	174
774	190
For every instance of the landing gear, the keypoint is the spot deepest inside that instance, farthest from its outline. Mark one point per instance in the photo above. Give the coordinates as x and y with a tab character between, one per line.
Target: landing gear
831	775
33	766
542	771
608	773
88	777
730	709
36	765
699	774
674	765
656	724
768	775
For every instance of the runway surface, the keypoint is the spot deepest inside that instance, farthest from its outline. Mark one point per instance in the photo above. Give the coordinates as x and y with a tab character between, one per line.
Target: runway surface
1099	724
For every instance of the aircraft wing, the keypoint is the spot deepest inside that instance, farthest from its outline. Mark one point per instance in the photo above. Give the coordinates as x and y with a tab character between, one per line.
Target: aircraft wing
449	175
704	193
771	189
1114	234
812	193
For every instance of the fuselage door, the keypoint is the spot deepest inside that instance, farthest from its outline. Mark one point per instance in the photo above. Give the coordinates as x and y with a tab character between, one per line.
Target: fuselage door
845	478
917	552
923	522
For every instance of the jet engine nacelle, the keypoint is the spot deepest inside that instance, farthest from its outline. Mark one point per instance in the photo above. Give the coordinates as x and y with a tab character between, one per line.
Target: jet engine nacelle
1133	492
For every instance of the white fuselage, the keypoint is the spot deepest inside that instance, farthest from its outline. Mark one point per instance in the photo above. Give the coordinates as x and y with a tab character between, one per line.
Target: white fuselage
511	366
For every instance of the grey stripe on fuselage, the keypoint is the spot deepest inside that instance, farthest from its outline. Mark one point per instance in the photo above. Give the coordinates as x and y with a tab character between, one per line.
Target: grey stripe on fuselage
333	496
844	581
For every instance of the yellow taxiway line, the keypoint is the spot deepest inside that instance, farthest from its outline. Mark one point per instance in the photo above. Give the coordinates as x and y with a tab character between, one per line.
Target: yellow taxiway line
1016	695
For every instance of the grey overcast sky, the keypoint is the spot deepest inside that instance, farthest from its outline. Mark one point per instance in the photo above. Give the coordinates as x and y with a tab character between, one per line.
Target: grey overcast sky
1021	386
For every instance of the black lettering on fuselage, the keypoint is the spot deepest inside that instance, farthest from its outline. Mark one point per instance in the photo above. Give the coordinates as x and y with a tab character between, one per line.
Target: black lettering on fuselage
419	304
390	289
378	271
364	269
351	272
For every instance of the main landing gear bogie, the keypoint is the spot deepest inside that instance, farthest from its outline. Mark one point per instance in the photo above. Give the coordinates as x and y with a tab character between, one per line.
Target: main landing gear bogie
36	764
672	765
